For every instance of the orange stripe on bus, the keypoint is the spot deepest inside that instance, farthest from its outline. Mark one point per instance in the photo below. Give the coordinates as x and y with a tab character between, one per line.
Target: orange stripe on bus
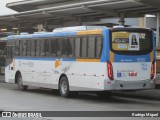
111	56
89	32
88	60
151	56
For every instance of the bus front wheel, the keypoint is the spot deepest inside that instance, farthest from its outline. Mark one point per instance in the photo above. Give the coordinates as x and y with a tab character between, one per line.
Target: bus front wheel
20	83
64	87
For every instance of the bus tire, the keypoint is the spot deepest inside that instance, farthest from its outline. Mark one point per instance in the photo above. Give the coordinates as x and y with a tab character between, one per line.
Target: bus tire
20	83
64	87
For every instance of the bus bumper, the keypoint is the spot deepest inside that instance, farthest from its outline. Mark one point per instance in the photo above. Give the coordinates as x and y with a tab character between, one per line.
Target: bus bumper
129	85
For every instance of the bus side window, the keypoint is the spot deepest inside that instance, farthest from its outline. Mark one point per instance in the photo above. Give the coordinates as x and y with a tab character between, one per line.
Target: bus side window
21	48
71	49
28	47
53	47
58	47
17	48
66	47
47	47
84	45
7	55
24	47
38	48
33	48
77	47
9	52
43	48
98	47
91	47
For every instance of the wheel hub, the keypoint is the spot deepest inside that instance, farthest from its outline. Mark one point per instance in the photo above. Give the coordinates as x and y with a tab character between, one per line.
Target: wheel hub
64	87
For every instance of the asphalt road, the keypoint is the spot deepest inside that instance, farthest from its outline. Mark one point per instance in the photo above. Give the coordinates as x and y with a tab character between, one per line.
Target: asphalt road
35	99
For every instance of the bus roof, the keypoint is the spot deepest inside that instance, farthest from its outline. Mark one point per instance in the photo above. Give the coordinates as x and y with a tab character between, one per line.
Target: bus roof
68	31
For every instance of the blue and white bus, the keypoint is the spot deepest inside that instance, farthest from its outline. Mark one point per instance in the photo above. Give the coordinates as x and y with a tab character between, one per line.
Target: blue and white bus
82	58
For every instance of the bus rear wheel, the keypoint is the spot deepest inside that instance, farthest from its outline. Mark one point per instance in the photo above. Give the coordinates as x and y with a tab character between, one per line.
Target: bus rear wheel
20	83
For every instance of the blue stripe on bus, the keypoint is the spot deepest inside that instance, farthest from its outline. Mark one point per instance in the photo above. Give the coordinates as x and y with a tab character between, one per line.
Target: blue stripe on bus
18	37
47	59
131	58
106	46
43	35
53	34
23	36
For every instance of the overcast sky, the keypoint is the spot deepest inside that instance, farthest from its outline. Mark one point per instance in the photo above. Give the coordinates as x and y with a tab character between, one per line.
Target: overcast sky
3	9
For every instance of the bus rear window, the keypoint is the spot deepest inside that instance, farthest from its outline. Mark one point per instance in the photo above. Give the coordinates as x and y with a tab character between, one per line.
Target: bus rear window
133	42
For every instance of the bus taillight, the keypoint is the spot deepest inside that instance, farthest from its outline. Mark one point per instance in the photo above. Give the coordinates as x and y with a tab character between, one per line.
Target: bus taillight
152	70
110	70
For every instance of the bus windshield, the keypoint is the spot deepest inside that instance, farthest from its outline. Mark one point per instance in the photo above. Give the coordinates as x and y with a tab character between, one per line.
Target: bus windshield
131	41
